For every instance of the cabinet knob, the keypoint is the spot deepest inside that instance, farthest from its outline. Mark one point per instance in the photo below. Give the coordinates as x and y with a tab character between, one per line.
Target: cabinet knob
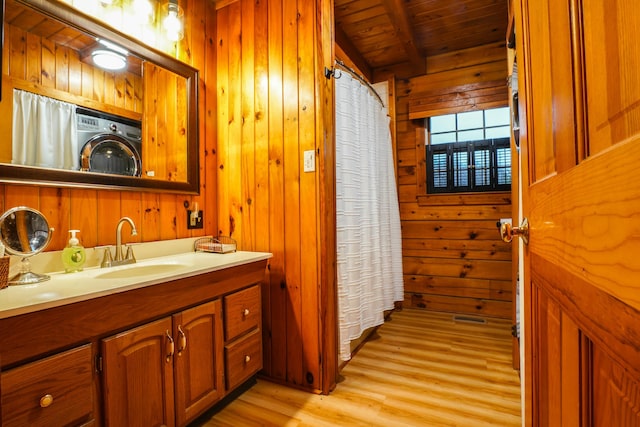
245	312
46	401
247	359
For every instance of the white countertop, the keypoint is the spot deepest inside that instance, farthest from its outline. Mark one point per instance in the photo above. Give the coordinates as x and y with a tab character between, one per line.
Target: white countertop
95	282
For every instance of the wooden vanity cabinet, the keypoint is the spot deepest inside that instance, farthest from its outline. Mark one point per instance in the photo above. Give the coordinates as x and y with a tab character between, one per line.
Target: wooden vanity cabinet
150	356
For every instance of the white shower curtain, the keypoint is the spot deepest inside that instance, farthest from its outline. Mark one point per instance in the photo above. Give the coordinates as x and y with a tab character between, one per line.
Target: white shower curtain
369	245
44	132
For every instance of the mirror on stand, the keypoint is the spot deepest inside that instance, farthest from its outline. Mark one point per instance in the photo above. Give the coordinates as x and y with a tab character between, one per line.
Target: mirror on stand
25	232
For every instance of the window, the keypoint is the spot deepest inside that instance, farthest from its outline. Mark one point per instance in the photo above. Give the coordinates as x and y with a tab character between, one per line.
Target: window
469	152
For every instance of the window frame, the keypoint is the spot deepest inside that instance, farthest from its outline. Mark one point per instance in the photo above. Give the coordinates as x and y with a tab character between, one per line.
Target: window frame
470	148
440	199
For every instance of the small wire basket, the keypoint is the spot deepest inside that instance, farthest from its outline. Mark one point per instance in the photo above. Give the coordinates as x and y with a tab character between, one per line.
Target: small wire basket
218	245
4	272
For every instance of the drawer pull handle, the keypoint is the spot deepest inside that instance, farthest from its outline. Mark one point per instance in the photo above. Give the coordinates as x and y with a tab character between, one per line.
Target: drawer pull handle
46	401
245	313
182	340
247	359
170	346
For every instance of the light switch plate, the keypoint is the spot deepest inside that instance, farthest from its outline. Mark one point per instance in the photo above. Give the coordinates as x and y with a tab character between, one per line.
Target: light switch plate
194	221
309	161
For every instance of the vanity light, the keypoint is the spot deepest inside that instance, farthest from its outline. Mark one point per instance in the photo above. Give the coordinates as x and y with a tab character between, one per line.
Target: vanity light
111	57
173	22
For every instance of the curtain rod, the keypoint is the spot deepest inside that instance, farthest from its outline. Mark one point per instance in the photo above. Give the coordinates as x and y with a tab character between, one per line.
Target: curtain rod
329	73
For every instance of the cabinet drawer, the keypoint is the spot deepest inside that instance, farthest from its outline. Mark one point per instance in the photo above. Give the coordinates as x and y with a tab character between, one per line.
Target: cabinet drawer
55	391
242	312
243	358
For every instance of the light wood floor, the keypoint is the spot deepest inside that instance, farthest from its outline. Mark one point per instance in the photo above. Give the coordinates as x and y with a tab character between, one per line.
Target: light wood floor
419	369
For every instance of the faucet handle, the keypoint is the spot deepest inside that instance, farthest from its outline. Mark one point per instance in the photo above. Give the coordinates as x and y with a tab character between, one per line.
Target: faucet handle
106	257
130	256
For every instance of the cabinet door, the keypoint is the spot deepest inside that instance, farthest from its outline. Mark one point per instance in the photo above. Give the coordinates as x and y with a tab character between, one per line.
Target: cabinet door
138	376
198	360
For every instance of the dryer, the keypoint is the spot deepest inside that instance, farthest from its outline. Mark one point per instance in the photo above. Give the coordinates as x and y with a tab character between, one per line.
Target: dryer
108	143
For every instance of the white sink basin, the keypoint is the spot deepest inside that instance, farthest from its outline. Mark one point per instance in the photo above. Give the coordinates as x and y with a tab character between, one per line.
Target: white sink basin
140	270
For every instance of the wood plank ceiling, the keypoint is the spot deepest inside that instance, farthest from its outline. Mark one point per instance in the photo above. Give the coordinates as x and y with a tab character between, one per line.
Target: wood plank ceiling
392	35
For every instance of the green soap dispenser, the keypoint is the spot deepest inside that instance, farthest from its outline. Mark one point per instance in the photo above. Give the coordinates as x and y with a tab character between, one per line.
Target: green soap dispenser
73	256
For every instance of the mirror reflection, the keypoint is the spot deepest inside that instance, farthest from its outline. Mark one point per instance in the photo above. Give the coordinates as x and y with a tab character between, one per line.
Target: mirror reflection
88	108
24	231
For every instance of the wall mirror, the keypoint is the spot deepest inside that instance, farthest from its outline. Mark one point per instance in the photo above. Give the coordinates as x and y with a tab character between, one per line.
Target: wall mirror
146	112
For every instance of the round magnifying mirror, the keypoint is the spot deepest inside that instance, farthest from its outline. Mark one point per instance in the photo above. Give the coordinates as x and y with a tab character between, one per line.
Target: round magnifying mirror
25	232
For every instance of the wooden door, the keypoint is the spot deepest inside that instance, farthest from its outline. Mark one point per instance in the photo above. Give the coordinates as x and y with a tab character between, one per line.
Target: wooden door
138	377
580	147
199	367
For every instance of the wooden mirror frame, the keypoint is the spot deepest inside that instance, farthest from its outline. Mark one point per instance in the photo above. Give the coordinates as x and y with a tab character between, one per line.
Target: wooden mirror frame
18	174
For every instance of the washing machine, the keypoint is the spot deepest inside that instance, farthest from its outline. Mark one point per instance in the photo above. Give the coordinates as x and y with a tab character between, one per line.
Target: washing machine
109	144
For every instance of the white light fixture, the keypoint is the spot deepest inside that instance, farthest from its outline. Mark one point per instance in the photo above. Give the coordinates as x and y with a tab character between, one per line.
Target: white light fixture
173	22
112	57
108	59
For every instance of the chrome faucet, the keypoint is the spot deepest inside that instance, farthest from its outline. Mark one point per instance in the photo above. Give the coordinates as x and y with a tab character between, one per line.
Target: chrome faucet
119	256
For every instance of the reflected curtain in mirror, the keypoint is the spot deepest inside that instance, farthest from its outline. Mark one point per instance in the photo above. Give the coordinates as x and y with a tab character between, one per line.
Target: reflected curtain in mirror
44	132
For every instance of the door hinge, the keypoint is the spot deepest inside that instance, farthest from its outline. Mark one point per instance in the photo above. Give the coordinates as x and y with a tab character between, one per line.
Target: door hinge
98	363
514	331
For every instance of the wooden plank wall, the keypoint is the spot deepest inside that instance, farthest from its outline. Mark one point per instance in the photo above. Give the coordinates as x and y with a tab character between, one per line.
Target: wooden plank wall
166	136
453	257
271	99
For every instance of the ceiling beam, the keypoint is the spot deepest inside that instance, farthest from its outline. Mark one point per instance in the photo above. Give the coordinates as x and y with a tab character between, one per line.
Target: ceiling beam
397	11
353	54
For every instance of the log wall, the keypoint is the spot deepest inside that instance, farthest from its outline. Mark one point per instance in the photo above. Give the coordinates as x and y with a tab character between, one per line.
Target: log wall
453	258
